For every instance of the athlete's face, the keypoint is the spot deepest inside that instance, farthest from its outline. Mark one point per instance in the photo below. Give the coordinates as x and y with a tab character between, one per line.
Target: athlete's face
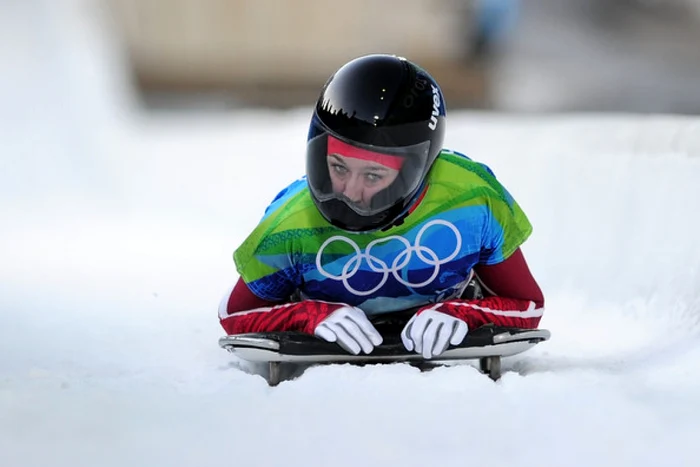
358	179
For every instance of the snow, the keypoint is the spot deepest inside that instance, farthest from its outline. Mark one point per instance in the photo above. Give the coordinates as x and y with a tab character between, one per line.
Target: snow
115	247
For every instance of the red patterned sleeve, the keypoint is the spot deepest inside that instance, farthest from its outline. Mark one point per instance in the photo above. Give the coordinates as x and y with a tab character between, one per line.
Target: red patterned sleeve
514	297
241	311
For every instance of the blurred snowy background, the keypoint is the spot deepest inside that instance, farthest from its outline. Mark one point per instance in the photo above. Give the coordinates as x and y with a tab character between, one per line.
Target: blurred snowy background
138	152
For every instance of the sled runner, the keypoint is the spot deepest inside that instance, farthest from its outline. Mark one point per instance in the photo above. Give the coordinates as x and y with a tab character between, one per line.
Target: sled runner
487	344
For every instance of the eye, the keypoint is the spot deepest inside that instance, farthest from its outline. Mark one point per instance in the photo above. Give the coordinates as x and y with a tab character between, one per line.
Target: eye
339	169
373	177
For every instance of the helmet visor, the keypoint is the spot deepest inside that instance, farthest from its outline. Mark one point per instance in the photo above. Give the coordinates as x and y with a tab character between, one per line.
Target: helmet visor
368	179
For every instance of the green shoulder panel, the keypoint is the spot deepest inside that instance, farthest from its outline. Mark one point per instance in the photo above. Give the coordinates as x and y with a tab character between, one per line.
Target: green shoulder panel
471	183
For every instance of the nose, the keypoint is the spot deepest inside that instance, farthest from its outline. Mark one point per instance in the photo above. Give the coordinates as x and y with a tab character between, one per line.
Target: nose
353	189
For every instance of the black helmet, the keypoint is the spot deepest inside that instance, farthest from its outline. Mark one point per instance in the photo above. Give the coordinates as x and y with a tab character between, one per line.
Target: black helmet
377	128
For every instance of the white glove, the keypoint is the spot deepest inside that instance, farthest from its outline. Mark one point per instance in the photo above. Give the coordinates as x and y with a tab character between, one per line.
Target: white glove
350	328
429	333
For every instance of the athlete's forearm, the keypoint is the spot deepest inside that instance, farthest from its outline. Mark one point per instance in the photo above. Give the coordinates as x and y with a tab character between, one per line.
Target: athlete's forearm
241	312
506	312
300	316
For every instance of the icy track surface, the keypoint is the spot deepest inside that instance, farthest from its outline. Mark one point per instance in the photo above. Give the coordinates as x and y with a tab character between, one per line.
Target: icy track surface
116	246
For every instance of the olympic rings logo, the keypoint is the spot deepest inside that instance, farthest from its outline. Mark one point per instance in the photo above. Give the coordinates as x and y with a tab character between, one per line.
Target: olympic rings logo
424	253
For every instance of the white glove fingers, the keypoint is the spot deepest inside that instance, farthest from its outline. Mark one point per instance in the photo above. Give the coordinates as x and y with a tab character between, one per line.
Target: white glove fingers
418	330
432	331
352	329
345	340
443	338
367	329
459	333
325	333
405	338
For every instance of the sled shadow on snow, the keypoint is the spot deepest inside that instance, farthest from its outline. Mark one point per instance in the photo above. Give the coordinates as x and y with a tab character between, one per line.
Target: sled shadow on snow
645	358
282	356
